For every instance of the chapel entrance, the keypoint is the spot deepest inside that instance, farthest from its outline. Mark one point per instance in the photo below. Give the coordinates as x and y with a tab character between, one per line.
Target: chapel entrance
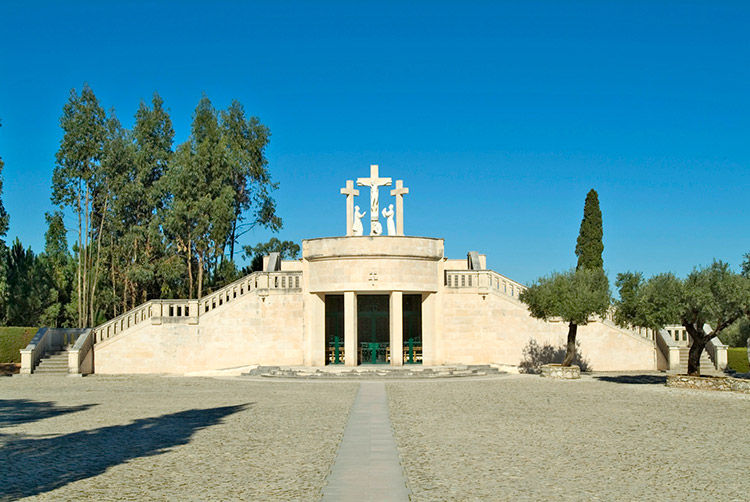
373	329
334	329
412	308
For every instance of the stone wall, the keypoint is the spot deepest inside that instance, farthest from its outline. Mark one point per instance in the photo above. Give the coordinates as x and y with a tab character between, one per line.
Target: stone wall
494	328
709	383
254	329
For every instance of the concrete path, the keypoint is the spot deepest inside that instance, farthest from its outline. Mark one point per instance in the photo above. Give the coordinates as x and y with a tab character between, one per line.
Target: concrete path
367	465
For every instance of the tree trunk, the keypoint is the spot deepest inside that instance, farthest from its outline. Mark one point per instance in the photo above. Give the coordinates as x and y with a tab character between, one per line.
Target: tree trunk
190	268
694	356
570	352
200	274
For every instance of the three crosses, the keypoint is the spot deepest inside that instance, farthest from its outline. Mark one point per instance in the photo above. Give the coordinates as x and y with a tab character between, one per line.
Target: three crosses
374	182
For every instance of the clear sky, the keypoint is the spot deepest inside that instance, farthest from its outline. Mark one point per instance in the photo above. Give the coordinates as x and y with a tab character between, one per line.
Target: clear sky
498	116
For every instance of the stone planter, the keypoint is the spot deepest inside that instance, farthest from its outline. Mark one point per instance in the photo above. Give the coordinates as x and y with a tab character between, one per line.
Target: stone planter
709	383
561	372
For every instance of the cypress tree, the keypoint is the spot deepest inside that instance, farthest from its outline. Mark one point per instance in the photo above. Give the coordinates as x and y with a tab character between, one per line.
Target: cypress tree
589	246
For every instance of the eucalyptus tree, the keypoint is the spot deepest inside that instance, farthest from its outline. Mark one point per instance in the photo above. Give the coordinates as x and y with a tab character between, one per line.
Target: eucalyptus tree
219	178
138	162
246	141
200	203
78	184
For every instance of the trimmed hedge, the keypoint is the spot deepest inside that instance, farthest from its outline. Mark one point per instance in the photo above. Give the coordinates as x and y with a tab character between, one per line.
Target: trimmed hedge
737	359
12	340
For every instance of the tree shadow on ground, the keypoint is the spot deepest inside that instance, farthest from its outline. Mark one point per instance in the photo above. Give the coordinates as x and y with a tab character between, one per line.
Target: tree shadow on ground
535	356
21	411
30	466
635	379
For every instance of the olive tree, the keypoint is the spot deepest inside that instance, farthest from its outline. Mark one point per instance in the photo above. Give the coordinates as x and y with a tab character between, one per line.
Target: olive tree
574	296
710	296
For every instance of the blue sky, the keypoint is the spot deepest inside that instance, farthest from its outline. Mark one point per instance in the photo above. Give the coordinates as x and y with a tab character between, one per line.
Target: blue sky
498	116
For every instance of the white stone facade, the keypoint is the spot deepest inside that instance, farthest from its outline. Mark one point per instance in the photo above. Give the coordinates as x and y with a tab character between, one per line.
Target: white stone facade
279	318
354	300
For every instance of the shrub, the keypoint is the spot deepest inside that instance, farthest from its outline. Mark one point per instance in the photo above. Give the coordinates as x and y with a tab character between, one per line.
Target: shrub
535	355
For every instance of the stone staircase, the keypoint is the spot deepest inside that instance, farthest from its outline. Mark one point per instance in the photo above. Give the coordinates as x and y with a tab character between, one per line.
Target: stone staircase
707	365
53	363
374	372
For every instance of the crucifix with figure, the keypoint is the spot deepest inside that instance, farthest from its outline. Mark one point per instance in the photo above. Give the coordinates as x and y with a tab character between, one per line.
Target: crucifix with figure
374	182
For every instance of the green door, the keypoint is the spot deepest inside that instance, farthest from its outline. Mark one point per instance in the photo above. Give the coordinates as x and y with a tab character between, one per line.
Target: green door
373	328
334	329
412	329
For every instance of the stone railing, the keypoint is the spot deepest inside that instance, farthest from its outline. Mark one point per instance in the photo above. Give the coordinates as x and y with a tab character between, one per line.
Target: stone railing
483	281
648	333
669	348
679	334
189	311
717	351
260	282
46	340
80	355
158	311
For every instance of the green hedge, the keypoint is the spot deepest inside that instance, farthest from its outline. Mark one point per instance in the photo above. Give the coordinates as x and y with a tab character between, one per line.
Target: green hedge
737	359
12	340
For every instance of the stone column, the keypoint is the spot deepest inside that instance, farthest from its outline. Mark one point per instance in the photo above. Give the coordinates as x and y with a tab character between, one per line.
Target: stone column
397	328
350	328
429	330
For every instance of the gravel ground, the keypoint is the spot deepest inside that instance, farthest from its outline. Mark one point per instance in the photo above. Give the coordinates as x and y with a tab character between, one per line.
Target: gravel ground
159	438
528	438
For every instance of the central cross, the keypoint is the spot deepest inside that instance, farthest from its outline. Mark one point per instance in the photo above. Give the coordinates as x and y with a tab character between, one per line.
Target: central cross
374	182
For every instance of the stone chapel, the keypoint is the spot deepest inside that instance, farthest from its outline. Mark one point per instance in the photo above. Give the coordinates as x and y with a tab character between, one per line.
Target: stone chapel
381	297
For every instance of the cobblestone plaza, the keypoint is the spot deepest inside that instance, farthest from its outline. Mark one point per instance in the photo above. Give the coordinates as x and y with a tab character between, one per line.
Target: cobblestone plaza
513	437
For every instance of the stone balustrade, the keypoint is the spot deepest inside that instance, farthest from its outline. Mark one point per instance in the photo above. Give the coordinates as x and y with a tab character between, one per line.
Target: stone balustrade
189	311
483	281
679	334
260	282
49	340
647	333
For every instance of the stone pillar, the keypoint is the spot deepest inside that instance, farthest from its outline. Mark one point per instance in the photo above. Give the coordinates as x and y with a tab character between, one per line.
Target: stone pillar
350	328
315	311
429	330
397	328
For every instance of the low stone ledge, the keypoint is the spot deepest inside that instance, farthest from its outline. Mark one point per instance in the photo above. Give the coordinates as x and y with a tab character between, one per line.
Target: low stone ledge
709	383
561	372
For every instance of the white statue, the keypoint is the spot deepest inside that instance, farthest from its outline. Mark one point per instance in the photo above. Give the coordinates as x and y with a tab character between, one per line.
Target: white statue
375	227
388	215
357	224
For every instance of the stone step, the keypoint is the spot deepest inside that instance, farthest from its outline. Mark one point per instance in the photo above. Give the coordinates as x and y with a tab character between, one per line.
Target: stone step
376	372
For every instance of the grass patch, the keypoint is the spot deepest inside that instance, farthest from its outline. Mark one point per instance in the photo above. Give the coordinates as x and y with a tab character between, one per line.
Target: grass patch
13	339
737	359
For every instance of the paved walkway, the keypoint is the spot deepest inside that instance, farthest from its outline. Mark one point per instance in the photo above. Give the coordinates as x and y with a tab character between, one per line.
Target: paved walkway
367	465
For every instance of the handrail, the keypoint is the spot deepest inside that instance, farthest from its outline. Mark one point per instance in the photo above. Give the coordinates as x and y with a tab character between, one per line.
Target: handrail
257	281
80	356
33	352
669	349
190	310
483	280
44	340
